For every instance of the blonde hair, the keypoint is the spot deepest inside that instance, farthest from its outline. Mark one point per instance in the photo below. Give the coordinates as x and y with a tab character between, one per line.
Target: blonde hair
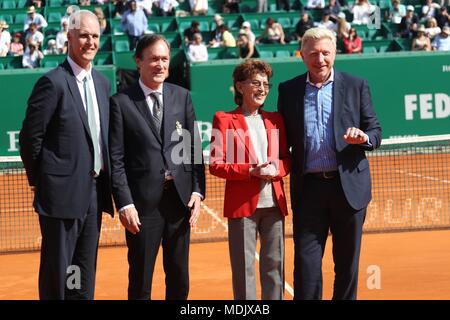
318	34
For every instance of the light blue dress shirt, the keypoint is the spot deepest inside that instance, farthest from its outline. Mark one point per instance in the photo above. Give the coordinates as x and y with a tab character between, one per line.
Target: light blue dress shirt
135	24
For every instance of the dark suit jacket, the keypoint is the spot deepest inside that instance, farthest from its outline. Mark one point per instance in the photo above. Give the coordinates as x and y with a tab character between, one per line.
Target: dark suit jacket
139	155
56	146
352	105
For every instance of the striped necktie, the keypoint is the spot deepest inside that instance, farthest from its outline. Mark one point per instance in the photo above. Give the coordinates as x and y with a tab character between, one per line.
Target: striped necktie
92	124
157	114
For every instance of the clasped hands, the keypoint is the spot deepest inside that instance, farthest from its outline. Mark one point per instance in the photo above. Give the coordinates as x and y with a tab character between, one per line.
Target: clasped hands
265	171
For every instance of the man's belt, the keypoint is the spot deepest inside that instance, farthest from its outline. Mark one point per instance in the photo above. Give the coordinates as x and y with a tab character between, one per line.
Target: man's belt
325	175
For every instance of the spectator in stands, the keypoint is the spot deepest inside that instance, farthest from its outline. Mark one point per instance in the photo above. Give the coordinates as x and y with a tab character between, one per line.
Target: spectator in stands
230	6
273	33
326	22
199	7
34	17
227	37
245	46
261	5
197	51
409	23
16	48
61	36
120	7
353	43
432	28
66	17
315	4
334	8
134	23
3	50
443	18
247	29
166	8
146	6
362	10
302	25
33	35
283	5
101	19
216	36
396	12
32	56
343	27
189	32
421	42
51	47
36	3
442	41
84	3
5	36
429	10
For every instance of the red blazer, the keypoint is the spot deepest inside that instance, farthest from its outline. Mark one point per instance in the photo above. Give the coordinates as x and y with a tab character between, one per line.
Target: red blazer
241	189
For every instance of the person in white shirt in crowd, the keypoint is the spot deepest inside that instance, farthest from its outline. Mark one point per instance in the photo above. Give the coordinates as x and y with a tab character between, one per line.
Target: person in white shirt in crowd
326	22
166	7
51	47
342	27
362	10
441	42
134	23
145	5
66	17
36	18
261	6
3	50
432	29
32	56
5	36
396	12
315	4
61	36
429	10
247	29
199	7
197	50
33	35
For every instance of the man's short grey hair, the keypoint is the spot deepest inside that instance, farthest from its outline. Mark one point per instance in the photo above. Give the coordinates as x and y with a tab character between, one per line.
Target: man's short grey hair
77	15
318	34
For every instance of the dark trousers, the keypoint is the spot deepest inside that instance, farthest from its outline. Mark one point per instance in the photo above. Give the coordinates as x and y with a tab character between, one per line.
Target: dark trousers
323	208
133	40
68	252
167	225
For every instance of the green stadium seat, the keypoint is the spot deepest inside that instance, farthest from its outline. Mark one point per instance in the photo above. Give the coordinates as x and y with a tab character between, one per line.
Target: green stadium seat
153	27
117	30
265	54
369	49
384	4
204	26
184	25
229	55
285	22
21	3
20	18
55	3
282	54
295	21
9	4
273	7
165	26
254	23
2	66
50	64
232	25
7	17
384	48
213	55
54	17
122	46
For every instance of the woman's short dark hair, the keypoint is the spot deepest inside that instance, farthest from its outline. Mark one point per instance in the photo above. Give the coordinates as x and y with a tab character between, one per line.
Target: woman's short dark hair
247	70
146	41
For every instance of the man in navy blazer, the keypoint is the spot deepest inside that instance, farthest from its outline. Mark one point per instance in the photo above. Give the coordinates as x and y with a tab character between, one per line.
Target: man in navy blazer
330	123
64	148
158	194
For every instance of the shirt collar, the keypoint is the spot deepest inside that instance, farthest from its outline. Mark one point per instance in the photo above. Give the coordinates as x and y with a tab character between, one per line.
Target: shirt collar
78	71
330	79
148	90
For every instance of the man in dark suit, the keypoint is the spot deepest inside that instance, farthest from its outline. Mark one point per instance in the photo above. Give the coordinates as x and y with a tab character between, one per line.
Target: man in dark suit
64	148
158	194
330	123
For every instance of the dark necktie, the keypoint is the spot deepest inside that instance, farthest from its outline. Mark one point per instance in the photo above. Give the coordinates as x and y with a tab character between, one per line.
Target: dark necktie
157	113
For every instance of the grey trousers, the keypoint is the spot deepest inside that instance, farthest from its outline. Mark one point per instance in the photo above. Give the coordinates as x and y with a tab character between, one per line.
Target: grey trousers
242	237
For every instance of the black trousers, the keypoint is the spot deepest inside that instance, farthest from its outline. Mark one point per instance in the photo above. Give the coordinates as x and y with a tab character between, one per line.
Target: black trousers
322	208
69	254
167	225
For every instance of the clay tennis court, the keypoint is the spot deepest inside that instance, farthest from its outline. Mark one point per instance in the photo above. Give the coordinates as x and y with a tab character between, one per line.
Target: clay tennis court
410	192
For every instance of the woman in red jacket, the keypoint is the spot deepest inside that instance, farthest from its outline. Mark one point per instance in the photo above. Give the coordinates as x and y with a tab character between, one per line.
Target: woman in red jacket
353	44
249	150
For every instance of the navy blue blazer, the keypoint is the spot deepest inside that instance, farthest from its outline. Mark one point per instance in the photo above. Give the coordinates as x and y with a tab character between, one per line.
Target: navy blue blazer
352	107
56	145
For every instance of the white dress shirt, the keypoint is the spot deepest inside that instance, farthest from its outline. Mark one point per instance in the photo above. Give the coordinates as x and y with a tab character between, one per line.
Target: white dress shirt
80	74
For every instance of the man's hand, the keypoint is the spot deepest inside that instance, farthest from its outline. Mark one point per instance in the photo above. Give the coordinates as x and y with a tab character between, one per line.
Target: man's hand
130	220
265	171
194	205
355	136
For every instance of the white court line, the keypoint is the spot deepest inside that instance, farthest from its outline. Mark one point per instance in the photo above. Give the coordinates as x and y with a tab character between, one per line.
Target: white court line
416	175
210	211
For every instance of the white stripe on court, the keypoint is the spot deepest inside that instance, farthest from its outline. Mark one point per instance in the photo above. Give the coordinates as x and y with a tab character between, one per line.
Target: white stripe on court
416	175
211	212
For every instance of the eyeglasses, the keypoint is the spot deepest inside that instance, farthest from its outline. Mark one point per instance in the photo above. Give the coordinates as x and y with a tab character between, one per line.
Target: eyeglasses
257	84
